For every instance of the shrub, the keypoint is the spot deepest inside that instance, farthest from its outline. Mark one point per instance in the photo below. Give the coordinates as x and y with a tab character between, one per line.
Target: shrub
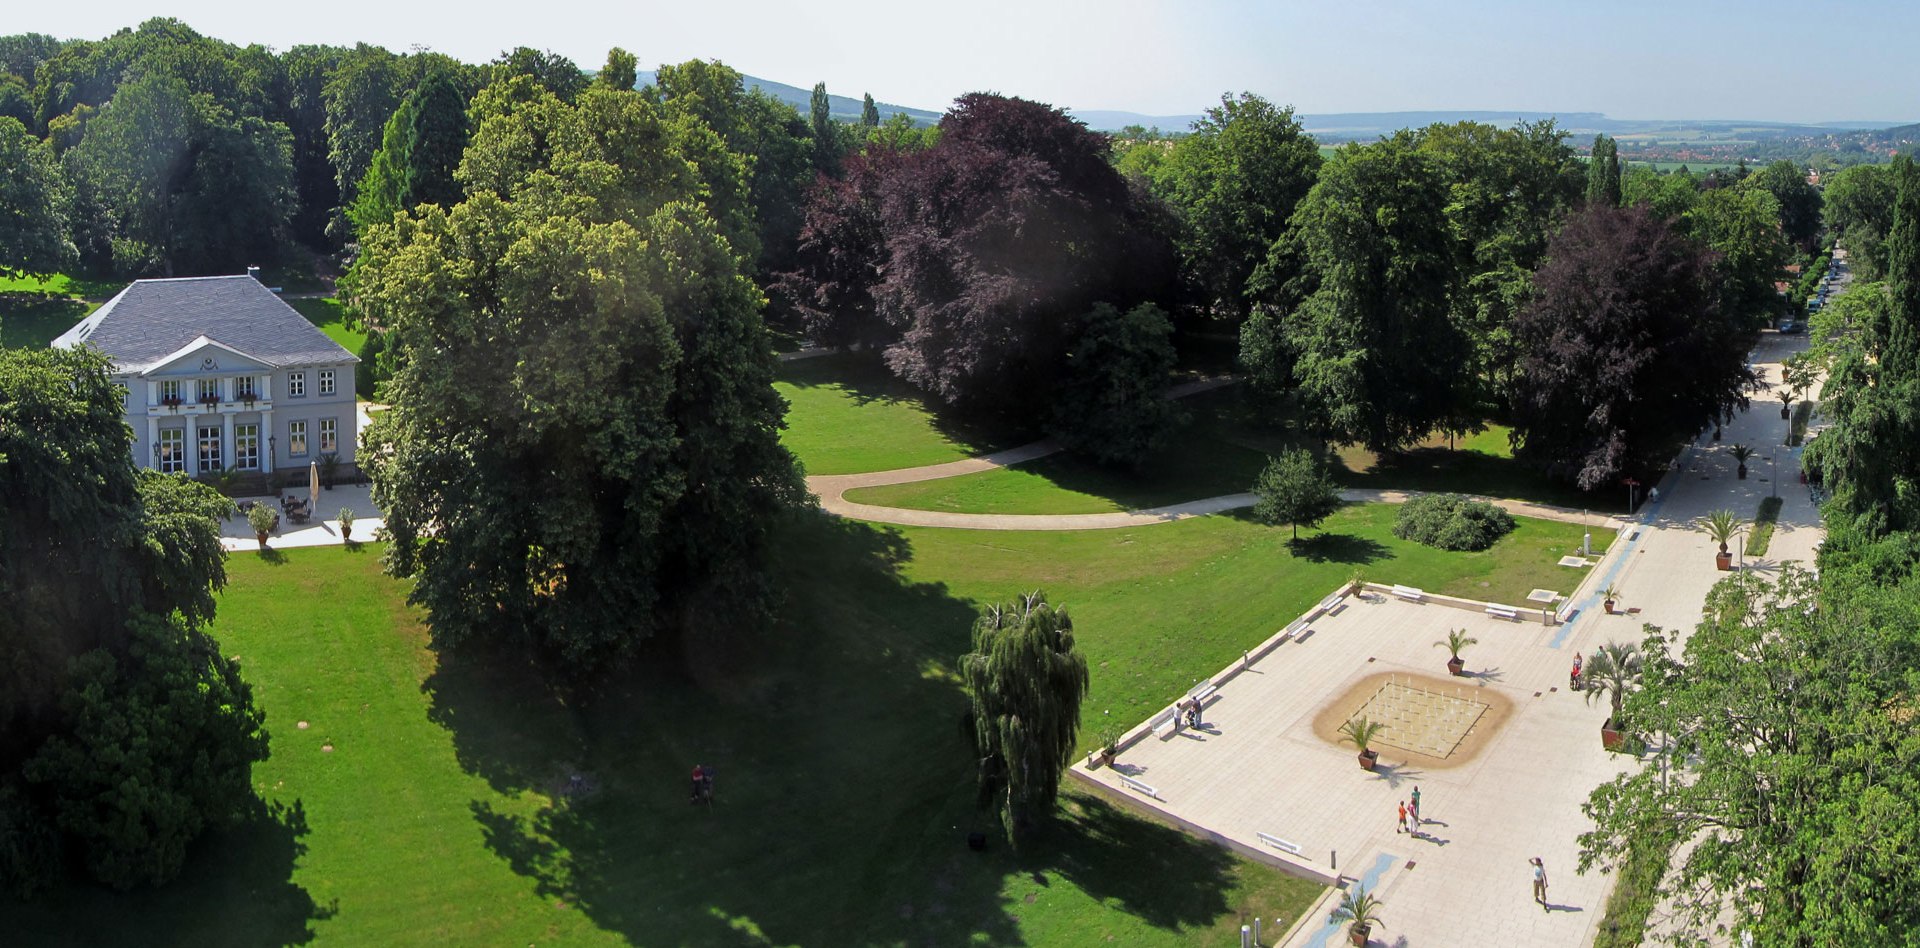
1451	522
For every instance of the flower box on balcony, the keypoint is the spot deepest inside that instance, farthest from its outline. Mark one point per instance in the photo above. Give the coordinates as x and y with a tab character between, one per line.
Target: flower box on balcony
172	401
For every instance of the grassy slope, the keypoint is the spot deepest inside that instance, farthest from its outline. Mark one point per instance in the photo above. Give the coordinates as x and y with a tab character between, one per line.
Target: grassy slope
847	415
35	310
331	317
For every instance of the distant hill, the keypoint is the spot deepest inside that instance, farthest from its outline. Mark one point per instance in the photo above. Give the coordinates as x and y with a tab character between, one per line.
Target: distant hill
1334	127
842	108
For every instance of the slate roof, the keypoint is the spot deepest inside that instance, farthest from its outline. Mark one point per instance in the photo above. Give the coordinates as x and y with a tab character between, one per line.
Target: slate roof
153	319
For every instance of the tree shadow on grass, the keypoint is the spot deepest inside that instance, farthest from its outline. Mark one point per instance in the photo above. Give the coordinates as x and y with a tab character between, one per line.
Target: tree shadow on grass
1339	548
844	789
866	379
237	889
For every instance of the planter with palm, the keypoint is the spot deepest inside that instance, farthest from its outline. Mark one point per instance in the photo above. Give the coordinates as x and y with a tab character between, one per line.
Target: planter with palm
1721	525
1613	671
1786	403
1611	594
1740	454
1361	732
1359	908
1456	640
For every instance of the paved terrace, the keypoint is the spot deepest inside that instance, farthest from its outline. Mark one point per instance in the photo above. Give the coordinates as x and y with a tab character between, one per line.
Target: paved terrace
1257	766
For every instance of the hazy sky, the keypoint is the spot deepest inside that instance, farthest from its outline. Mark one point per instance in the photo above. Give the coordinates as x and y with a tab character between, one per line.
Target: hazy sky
1759	59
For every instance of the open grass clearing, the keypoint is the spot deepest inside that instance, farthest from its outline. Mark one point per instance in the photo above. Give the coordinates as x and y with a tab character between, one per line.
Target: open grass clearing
62	284
330	315
1220	451
846	414
446	813
34	321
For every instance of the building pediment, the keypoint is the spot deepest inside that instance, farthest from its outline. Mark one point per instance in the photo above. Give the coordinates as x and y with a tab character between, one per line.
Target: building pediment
205	356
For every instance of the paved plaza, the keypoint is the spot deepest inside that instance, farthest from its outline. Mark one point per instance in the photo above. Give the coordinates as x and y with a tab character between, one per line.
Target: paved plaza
1259	775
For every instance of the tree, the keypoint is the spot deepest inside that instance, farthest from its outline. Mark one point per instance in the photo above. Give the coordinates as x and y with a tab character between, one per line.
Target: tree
659	461
1295	489
420	149
1613	673
1112	404
621	73
826	133
1798	201
1624	349
1668	197
196	187
1025	681
552	71
1234	183
1782	755
1603	172
127	732
35	201
1742	225
989	245
869	112
1858	208
1376	350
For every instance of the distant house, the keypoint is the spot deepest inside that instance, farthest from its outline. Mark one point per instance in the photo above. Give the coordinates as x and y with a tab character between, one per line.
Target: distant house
221	374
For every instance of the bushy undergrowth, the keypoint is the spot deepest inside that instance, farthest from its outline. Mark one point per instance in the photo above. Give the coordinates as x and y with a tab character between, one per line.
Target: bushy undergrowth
1451	522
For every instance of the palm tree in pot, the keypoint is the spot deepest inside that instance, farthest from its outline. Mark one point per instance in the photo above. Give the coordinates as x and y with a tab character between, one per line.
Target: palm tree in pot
1610	594
1786	403
1456	640
1359	907
1361	732
1740	454
1614	671
1721	525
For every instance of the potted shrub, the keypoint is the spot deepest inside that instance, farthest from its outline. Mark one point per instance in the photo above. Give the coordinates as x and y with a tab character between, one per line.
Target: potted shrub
1614	671
1359	908
329	466
1456	640
346	523
1356	582
1361	732
1740	454
1610	594
1786	403
1721	525
262	519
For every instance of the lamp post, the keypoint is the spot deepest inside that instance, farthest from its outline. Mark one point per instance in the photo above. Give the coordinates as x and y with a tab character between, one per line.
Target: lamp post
1774	461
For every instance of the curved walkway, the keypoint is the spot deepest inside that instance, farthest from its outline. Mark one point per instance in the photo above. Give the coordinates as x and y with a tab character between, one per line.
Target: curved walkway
831	489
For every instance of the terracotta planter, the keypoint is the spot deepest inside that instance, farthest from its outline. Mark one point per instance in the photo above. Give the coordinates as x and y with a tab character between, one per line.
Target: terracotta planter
1456	666
1609	606
1358	935
1611	737
262	538
1368	758
1741	473
1723	560
1785	413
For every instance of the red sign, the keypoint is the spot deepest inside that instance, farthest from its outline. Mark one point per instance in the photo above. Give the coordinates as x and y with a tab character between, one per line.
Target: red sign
1630	482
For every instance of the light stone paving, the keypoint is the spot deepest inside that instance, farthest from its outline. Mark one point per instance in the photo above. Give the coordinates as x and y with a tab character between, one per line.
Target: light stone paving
1257	766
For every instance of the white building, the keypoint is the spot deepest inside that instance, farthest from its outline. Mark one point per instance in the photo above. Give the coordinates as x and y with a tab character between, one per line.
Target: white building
222	374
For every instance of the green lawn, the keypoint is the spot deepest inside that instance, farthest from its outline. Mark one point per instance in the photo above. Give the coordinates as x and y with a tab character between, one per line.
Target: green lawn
331	316
32	322
1220	451
846	415
62	284
440	815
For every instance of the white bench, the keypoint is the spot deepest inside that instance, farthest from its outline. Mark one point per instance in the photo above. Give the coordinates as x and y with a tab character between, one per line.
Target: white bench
1331	602
1133	784
1278	843
1166	724
1409	593
1201	691
1502	612
1293	629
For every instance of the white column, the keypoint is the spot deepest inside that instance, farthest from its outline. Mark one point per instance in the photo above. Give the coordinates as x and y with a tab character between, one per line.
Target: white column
190	444
152	460
269	445
227	458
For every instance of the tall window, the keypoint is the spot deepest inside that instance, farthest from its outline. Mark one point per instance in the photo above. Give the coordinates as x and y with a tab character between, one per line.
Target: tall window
326	381
296	384
297	439
328	441
246	447
170	392
210	451
207	391
173	450
245	388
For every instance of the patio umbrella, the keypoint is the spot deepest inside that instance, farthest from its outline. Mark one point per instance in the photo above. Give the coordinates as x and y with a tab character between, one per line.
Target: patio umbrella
313	488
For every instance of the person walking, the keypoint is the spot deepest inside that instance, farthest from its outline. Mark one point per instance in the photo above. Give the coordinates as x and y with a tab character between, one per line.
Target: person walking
1573	681
1400	825
1415	808
1539	882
